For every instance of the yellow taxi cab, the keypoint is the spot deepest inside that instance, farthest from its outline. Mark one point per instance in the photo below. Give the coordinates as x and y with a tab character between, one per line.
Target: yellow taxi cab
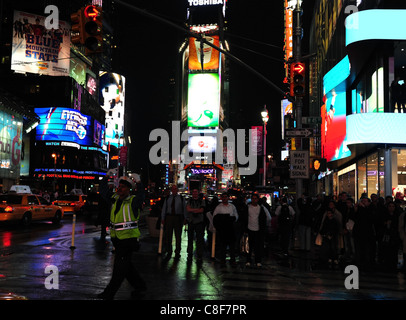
28	207
71	203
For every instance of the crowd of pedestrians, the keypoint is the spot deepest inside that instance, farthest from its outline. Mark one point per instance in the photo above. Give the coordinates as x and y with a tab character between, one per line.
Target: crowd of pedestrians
368	232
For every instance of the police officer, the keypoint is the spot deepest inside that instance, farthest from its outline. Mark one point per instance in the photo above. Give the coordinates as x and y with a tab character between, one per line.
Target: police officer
124	234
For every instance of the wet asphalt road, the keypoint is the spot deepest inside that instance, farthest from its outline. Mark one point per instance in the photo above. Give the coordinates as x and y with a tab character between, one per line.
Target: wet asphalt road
84	271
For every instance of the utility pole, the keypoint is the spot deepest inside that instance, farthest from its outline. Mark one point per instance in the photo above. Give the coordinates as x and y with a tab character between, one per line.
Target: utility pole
298	103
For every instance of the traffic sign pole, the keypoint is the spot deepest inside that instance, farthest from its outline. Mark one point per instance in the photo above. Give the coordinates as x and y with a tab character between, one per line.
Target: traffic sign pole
298	103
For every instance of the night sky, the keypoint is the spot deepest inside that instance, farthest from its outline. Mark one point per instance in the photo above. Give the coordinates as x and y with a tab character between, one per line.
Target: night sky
148	58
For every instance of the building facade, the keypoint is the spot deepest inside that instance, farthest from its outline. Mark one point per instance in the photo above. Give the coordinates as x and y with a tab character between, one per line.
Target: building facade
356	87
54	104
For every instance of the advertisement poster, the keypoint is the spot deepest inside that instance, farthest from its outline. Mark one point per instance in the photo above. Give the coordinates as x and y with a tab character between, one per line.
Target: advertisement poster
202	144
64	124
256	140
36	49
112	96
333	139
210	55
11	145
203	100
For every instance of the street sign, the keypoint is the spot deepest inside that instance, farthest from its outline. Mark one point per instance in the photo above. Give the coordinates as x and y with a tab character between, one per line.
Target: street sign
298	133
299	164
311	120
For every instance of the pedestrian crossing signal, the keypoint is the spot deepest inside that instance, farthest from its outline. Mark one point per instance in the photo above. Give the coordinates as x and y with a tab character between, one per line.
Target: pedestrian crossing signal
93	27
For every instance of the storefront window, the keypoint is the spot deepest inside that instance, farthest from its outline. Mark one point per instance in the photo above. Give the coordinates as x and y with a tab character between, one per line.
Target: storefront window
362	176
372	174
381	173
399	176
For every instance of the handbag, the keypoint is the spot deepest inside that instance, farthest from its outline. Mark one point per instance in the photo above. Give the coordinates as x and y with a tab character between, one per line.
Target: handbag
319	240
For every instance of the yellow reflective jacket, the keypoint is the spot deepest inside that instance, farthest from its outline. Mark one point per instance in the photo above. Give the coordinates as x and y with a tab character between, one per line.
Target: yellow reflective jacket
124	224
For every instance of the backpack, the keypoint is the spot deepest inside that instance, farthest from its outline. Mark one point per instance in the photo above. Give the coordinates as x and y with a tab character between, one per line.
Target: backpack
284	217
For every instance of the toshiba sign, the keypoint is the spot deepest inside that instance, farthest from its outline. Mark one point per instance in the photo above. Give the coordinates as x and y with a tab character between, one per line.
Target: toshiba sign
195	3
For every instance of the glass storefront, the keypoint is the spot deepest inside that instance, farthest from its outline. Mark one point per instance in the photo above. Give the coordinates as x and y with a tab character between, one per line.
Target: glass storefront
398	173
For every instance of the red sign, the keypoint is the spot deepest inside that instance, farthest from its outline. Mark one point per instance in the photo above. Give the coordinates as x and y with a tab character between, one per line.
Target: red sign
123	156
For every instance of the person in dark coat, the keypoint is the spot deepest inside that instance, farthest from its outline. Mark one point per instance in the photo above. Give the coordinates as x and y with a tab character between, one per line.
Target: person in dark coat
255	219
364	234
390	242
305	222
329	230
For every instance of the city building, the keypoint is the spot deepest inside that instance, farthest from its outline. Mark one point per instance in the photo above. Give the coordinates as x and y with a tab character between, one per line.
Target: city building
51	99
359	65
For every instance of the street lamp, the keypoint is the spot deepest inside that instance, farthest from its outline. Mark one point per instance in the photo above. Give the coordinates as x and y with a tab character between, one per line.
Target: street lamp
55	157
265	118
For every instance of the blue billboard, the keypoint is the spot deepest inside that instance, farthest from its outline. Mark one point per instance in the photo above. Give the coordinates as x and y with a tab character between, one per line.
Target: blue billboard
68	125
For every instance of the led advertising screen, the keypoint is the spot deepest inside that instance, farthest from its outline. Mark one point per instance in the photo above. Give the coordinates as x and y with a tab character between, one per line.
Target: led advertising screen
78	70
333	130
203	100
39	50
91	84
211	56
99	132
11	146
64	124
112	96
334	113
202	144
387	128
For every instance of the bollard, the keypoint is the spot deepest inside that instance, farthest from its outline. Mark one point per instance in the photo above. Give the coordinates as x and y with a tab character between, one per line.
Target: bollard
73	232
213	245
161	234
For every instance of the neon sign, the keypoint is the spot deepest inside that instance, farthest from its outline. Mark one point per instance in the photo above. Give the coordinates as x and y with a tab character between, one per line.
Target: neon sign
202	171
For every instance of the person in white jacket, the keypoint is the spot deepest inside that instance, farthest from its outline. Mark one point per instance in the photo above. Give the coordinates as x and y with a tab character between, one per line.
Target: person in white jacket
224	216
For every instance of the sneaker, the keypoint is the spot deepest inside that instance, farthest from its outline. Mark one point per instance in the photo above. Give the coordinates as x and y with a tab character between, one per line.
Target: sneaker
259	264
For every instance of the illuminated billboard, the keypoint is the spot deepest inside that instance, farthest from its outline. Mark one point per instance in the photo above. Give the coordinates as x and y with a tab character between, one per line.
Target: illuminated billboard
68	125
202	144
36	49
333	131
203	100
387	128
112	96
11	146
334	112
211	56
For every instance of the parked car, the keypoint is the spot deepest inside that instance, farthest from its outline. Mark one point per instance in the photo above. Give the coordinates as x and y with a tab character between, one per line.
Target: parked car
71	203
28	207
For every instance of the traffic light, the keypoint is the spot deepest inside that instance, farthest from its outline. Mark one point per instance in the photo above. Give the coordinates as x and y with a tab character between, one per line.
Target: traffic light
297	79
78	27
93	29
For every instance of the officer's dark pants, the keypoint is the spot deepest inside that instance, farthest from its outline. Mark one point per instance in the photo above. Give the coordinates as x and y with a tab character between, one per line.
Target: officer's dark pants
123	266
